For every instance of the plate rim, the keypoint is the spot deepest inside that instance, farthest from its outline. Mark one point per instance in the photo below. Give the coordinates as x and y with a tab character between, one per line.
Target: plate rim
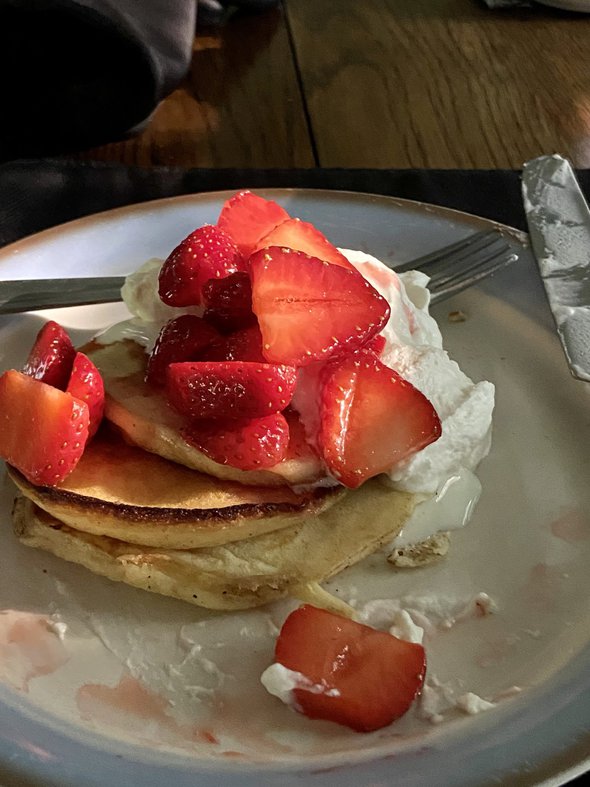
22	244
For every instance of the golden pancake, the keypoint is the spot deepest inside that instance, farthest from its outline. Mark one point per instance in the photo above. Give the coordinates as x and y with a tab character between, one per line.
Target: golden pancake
146	419
120	491
242	574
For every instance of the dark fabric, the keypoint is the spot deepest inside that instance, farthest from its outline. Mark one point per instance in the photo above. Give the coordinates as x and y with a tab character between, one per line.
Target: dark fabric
75	73
35	195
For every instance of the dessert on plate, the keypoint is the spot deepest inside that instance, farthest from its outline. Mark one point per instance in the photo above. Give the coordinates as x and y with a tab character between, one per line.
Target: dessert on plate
275	410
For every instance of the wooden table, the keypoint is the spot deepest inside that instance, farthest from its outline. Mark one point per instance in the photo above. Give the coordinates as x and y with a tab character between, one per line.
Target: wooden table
376	83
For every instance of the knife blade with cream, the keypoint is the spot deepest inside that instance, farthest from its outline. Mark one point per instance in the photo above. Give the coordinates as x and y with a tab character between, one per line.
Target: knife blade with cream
559	225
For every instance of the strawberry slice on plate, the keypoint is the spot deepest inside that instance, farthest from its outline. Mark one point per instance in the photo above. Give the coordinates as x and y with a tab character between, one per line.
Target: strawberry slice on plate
246	218
181	339
311	310
86	384
233	389
356	675
370	418
51	356
251	444
229	302
207	253
43	431
303	236
243	345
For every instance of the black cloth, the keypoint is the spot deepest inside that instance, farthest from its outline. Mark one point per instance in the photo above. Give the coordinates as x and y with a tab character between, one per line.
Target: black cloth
76	73
36	194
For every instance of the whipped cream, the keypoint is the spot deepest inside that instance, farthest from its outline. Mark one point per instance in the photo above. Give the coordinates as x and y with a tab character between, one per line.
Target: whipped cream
430	613
281	681
438	699
404	627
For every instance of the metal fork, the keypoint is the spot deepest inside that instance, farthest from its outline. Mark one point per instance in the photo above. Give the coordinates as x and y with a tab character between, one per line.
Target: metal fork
456	267
451	269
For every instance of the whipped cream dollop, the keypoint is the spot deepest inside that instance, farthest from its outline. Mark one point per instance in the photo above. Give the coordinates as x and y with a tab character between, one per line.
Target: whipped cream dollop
413	348
280	681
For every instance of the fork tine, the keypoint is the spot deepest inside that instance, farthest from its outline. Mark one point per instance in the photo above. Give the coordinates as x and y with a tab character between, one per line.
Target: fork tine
465	257
461	282
470	243
465	265
456	267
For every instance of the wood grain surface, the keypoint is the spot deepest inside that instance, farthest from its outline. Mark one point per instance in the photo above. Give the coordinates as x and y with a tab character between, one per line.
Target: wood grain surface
442	83
239	106
376	83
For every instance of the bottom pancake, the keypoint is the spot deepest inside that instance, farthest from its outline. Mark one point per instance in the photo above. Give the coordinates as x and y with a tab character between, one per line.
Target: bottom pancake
241	574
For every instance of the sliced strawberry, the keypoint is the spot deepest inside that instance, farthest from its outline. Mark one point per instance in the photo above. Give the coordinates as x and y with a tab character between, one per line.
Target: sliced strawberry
303	236
229	302
51	356
371	419
308	309
86	385
43	430
233	389
376	344
252	444
181	339
207	253
358	676
246	217
244	345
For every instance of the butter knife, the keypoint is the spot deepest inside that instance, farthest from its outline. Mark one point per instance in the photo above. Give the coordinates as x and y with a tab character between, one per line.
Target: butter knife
559	225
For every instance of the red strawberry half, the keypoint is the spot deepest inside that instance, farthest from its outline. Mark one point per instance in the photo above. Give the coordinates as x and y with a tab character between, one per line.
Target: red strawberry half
43	431
246	217
234	389
252	444
359	677
86	385
207	253
181	339
229	302
51	356
303	236
371	419
311	310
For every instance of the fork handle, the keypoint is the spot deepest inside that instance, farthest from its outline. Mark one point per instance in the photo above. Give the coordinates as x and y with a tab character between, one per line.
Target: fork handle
32	294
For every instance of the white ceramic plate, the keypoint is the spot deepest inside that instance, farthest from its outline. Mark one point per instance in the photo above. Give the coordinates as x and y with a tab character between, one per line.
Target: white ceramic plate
141	689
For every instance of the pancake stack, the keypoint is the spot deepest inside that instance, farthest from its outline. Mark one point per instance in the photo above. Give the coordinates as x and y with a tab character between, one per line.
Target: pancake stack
201	483
146	508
